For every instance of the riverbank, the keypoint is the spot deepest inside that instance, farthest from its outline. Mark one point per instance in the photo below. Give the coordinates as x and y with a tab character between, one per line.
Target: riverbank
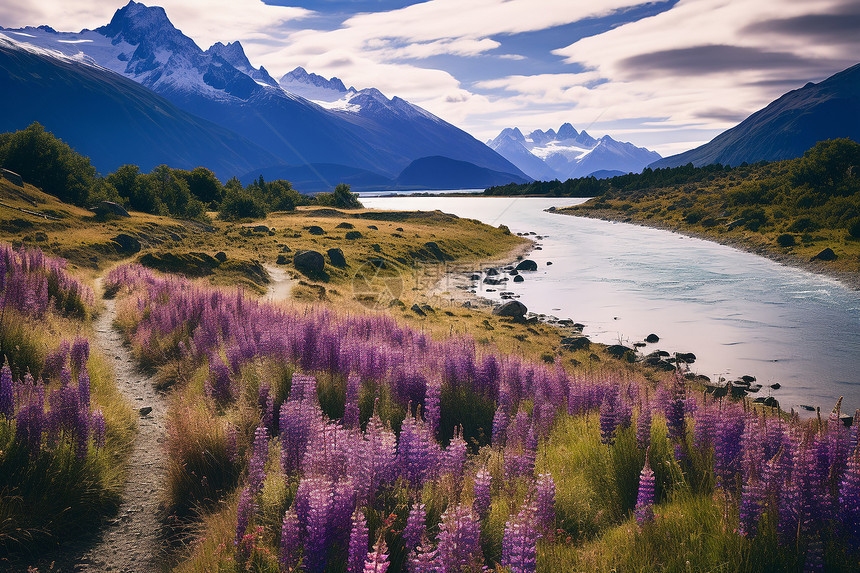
747	241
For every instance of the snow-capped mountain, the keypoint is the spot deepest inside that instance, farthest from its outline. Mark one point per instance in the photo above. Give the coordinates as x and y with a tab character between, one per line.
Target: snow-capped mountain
360	130
314	87
568	153
234	54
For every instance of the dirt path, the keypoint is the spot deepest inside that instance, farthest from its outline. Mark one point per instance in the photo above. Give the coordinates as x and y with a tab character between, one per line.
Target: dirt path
131	541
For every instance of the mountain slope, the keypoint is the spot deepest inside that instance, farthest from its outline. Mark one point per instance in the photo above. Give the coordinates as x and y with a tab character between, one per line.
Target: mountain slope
787	127
445	173
112	119
567	153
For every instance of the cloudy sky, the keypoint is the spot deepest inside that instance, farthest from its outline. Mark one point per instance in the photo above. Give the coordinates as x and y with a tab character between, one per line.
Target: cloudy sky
666	75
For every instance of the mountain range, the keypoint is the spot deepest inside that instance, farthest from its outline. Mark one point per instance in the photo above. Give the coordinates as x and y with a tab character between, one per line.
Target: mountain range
302	124
568	154
787	127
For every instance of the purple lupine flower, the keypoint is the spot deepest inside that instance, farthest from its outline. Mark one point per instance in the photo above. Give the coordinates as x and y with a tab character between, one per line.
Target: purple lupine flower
432	411
645	499
789	506
219	385
343	506
425	559
459	543
291	541
84	388
358	541
752	494
643	427
416	451
675	409
80	353
500	424
55	361
7	391
455	456
82	431
519	543
545	514
98	430
608	420
29	424
705	429
481	489
320	501
415	526
377	559
246	510
259	457
727	448
351	412
849	501
65	376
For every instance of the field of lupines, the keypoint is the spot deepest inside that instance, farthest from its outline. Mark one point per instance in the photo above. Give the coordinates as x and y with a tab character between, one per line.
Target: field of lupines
57	405
318	440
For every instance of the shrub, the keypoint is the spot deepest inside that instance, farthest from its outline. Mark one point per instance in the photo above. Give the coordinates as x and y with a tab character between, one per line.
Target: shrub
854	229
786	240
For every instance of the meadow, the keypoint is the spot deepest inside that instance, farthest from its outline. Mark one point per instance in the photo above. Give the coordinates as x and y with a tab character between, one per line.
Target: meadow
329	440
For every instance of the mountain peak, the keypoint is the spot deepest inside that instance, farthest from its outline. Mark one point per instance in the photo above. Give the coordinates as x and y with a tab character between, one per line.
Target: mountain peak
566	131
134	22
232	53
301	76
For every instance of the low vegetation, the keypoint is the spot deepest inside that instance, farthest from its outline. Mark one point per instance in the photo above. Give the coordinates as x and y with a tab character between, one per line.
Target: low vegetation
326	440
64	430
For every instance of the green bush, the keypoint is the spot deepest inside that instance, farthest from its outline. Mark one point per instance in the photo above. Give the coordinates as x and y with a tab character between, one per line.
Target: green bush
341	197
786	240
854	229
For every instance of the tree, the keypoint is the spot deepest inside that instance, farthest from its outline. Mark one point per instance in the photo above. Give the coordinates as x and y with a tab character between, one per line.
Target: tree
48	163
342	197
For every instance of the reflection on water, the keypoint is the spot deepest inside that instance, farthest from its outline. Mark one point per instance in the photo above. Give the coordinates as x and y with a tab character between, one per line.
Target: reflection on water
739	313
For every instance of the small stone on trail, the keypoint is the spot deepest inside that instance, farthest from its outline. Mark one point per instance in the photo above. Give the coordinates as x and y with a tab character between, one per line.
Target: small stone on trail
145	411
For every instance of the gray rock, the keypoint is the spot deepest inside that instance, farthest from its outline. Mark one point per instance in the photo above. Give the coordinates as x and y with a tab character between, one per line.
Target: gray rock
345	225
316	230
513	309
352	235
127	243
776	385
519	279
825	255
621	352
336	258
527	265
282	260
145	411
309	262
260	228
418	310
652	338
491	272
110	208
575	342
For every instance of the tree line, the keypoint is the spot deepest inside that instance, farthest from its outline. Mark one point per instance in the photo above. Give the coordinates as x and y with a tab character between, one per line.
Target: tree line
53	166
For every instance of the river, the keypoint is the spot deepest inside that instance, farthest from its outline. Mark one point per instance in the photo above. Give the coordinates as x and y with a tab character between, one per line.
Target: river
741	314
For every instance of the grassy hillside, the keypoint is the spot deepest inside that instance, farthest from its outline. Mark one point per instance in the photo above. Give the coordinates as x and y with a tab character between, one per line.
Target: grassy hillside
788	210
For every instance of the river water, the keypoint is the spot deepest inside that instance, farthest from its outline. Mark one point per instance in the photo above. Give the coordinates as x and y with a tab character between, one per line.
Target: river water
741	314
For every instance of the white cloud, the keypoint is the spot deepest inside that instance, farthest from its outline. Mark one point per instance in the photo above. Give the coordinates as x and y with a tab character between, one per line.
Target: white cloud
205	21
